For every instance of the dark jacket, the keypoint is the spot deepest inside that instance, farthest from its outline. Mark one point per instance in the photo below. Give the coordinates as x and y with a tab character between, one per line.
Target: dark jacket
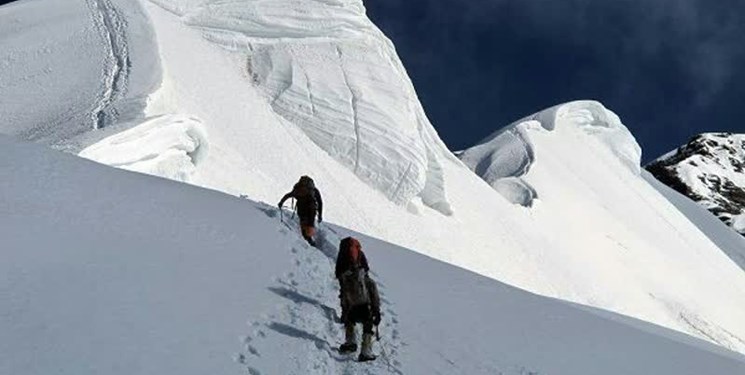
306	205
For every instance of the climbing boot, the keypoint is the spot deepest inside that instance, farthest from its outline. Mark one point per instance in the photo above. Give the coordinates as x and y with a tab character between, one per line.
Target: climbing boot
350	340
366	351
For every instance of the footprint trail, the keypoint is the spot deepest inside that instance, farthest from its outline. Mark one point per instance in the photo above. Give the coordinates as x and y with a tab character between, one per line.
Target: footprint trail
309	312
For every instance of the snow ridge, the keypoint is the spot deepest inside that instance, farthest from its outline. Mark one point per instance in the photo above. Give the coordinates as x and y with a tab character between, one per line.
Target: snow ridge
73	67
112	27
504	158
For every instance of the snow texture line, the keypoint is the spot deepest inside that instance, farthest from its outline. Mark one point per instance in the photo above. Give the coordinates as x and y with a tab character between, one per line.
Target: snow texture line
529	153
401	180
355	112
111	26
311	98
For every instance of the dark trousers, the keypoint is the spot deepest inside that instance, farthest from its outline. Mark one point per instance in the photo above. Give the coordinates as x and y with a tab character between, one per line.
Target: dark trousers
358	314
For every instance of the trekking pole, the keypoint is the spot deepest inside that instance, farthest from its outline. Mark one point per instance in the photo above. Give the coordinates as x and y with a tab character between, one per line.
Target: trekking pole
377	333
281	214
293	209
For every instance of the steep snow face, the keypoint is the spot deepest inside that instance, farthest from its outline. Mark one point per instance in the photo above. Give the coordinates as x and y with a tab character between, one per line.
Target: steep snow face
504	157
120	273
69	67
710	169
328	70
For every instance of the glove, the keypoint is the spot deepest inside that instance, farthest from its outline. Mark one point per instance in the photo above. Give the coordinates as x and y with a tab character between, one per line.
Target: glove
376	318
320	218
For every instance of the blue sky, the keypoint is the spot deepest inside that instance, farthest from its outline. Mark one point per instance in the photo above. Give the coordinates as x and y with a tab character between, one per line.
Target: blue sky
669	68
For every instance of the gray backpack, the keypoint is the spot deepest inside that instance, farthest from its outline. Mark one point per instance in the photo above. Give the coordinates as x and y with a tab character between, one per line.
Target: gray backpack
354	289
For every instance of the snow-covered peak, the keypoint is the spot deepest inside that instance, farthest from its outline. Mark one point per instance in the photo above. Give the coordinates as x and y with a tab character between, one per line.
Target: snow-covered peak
709	169
503	158
325	68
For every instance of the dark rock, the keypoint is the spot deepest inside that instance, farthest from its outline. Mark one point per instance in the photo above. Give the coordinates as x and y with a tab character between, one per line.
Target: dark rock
714	159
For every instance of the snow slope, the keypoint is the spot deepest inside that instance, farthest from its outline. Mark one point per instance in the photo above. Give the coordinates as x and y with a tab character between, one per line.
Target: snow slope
68	67
728	240
141	275
581	166
262	79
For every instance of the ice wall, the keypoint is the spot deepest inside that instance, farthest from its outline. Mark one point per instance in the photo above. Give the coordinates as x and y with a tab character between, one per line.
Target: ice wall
326	69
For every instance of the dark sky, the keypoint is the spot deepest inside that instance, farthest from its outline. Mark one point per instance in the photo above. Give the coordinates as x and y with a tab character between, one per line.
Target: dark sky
669	68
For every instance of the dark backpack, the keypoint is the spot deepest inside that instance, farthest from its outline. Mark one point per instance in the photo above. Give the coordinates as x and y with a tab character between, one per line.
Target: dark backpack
304	192
354	291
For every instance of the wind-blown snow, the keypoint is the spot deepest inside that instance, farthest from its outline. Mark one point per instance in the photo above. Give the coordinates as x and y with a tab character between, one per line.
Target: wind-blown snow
168	146
507	155
503	160
139	275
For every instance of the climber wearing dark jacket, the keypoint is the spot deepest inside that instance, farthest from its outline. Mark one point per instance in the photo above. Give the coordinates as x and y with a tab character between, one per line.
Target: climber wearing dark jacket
350	255
356	285
309	203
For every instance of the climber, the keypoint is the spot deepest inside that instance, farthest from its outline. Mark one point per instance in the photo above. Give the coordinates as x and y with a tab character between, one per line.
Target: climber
309	203
360	302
